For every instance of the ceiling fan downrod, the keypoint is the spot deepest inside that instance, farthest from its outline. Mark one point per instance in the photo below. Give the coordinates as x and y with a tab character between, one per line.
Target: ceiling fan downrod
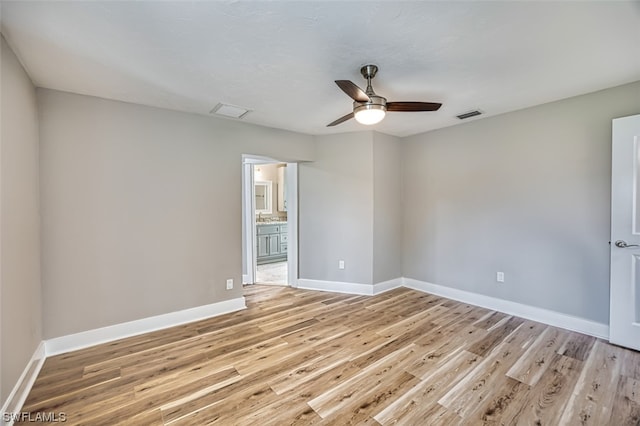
368	72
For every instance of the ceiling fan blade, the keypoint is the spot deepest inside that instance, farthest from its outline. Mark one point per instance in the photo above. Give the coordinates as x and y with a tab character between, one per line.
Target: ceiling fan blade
413	106
354	92
341	120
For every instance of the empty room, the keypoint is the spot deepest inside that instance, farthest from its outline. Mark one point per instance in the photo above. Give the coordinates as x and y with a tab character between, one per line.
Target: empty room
320	212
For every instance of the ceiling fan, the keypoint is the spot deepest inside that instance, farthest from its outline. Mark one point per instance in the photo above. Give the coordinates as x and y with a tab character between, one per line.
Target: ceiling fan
369	108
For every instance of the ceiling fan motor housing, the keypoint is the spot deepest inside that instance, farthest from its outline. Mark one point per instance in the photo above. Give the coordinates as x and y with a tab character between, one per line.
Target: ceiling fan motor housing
371	112
377	102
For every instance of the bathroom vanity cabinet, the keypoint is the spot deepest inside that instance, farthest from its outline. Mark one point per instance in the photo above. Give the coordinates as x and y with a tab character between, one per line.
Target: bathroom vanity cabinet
271	242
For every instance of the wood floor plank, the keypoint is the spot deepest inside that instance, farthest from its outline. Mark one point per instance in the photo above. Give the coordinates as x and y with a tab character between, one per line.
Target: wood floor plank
391	345
592	400
352	344
490	319
286	355
70	386
360	384
472	391
317	335
536	359
187	406
630	365
442	342
118	348
457	313
577	346
496	336
543	403
197	377
55	401
242	402
497	402
148	358
412	406
626	407
302	357
417	320
362	409
283	411
306	372
324	382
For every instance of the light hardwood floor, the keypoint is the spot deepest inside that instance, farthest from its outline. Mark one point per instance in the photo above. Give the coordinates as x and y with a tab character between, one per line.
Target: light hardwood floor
304	357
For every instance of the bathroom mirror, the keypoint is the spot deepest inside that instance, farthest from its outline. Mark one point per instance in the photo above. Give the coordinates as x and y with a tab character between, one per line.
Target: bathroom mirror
263	196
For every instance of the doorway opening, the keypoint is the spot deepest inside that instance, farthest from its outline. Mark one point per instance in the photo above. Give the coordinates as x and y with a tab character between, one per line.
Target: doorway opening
269	221
269	182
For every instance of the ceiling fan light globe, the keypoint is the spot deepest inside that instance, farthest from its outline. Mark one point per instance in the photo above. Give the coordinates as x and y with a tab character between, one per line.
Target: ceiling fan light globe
370	114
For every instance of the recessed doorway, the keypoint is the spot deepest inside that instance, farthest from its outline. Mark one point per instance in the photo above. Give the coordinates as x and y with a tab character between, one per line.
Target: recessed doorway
269	222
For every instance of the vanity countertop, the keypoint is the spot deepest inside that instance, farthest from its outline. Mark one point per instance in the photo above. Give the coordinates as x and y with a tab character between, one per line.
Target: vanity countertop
274	222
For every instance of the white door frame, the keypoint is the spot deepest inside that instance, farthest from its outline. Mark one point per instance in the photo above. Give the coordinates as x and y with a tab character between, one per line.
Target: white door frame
249	222
292	223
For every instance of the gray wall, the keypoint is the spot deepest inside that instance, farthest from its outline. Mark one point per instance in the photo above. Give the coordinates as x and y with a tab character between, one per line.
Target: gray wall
336	209
20	291
527	193
387	208
350	209
141	208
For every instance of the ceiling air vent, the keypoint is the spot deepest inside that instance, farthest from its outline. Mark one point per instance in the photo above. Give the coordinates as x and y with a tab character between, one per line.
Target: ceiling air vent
469	114
230	111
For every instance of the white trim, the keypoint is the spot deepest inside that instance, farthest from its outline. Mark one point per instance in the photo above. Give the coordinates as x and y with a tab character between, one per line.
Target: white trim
291	177
349	288
258	159
383	286
248	224
542	315
336	286
96	336
24	384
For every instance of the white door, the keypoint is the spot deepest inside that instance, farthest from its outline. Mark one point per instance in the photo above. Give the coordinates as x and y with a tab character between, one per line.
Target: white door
624	317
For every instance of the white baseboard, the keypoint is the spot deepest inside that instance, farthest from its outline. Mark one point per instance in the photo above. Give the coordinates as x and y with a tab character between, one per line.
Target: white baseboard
383	286
533	313
20	391
97	336
349	288
293	282
336	286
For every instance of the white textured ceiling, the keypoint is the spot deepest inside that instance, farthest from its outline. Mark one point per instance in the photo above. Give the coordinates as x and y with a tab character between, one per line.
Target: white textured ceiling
280	58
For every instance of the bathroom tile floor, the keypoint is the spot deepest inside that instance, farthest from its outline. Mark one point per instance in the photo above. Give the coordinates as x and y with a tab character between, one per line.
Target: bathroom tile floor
272	273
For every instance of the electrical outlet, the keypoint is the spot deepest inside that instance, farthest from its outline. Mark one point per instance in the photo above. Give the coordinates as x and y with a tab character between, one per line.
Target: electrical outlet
229	283
340	264
500	277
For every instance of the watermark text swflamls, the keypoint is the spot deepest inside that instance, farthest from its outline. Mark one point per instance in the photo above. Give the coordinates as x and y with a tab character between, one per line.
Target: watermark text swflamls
26	417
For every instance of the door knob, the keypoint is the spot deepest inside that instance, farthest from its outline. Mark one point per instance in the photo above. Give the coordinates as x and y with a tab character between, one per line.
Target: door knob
623	244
